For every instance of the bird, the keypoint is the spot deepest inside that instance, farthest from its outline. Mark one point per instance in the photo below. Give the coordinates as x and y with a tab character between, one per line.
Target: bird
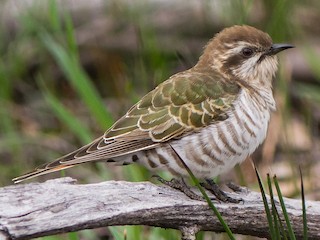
208	118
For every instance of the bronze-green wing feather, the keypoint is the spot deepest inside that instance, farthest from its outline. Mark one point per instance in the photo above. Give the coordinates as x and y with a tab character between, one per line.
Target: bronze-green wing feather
184	103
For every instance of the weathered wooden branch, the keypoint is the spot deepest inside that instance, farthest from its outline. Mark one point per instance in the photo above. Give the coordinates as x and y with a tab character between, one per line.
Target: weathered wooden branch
60	205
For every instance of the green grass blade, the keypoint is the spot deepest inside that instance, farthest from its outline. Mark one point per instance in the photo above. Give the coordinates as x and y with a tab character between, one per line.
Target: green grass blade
116	233
266	206
284	210
304	211
73	236
275	228
278	225
204	194
79	80
280	231
53	16
70	36
65	116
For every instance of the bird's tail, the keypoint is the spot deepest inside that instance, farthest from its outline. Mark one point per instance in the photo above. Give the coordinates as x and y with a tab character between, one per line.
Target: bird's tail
98	150
61	163
40	171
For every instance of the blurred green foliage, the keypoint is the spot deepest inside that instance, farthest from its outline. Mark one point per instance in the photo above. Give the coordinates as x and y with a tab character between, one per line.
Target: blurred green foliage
52	101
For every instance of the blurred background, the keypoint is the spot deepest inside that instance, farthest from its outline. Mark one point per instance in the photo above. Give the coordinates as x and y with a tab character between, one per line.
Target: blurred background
69	69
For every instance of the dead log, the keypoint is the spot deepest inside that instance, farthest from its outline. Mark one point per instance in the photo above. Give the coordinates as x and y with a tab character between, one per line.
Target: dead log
60	205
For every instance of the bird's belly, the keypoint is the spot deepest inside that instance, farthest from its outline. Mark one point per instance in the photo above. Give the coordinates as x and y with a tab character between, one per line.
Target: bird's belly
217	150
219	147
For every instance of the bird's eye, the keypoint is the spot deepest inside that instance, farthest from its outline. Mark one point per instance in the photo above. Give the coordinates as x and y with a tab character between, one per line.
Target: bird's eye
247	52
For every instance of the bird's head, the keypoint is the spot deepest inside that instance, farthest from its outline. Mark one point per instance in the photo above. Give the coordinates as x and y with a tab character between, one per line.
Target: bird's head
244	53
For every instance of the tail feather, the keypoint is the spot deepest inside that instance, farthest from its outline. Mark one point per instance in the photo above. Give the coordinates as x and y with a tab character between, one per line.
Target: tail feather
98	150
39	172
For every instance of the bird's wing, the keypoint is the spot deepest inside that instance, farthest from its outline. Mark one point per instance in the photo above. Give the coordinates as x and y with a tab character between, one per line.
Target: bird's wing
184	103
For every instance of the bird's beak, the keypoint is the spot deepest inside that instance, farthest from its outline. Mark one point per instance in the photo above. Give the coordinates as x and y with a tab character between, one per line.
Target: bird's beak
278	47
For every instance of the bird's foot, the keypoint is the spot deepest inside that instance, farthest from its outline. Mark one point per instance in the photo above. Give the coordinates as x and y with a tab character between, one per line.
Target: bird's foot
236	188
212	187
179	184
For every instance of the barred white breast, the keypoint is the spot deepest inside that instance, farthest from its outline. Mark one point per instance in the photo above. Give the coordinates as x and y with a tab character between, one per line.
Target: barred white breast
219	147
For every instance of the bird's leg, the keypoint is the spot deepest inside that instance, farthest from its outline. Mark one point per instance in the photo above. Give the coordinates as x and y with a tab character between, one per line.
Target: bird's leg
211	186
179	184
